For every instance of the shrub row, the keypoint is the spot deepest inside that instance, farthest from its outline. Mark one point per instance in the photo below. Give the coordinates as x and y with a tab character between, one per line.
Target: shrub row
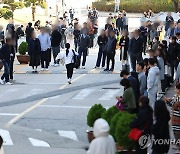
135	6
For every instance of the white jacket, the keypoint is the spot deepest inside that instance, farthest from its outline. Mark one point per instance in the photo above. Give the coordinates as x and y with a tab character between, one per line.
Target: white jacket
103	143
153	78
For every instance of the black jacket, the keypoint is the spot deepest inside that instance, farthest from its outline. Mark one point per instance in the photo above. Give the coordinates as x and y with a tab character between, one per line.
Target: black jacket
136	46
119	22
28	32
102	40
5	53
111	48
84	42
56	38
173	52
77	33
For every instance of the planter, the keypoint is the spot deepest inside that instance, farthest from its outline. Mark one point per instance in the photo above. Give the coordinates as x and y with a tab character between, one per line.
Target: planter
90	135
23	59
1	65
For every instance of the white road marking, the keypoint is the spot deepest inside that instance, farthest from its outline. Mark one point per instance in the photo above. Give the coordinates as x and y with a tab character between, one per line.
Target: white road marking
109	94
83	94
79	77
39	130
9	114
58	106
38	143
25	112
6	137
68	134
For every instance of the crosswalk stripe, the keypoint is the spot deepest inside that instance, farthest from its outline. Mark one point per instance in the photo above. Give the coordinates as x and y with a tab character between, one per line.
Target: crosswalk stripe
6	137
38	143
83	94
68	134
109	94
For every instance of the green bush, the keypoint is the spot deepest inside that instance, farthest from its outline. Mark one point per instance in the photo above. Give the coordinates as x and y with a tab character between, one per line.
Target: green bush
109	114
135	6
95	113
113	124
123	129
23	47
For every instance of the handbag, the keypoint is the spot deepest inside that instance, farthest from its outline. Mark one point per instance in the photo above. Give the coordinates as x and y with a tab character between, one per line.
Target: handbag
76	60
120	106
135	134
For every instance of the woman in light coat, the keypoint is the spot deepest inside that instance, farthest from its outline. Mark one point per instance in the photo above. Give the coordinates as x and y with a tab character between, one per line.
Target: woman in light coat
69	32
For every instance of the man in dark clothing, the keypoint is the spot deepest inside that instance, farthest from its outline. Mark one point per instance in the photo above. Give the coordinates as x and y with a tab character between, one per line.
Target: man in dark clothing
143	35
71	12
29	31
83	47
5	56
55	43
169	20
135	49
111	50
20	31
134	82
119	23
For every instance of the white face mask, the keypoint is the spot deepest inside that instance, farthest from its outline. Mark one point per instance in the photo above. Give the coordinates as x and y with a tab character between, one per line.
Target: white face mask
170	41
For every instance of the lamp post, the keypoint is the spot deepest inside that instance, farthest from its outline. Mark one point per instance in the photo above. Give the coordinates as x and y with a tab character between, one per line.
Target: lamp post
117	3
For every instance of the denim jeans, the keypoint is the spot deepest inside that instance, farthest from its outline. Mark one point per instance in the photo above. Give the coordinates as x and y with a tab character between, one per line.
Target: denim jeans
6	71
101	55
84	52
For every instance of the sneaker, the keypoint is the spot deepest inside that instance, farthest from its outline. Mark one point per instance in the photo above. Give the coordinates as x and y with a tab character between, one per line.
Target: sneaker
56	65
8	83
1	81
69	81
46	69
106	69
42	69
111	70
83	67
96	67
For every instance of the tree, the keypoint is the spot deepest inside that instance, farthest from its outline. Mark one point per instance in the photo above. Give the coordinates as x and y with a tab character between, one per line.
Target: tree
176	5
12	5
5	13
33	4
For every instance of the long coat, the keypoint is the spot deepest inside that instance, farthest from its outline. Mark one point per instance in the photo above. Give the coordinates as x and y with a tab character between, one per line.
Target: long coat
34	50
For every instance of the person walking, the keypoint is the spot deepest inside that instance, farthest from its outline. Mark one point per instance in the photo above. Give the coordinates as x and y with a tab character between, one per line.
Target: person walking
69	32
102	41
169	20
111	50
119	23
135	49
29	31
142	78
5	56
77	34
83	47
45	43
103	142
69	60
143	121
34	51
143	34
56	38
128	98
152	81
160	129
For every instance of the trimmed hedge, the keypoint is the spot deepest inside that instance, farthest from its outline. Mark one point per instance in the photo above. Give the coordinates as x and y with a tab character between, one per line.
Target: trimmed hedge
135	6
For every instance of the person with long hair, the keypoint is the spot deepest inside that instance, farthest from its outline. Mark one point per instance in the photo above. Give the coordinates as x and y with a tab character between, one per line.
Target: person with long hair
143	121
69	59
160	129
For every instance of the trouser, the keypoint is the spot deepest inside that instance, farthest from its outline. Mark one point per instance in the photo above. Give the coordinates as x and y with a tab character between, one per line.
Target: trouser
163	85
56	51
69	68
95	40
144	45
101	55
11	69
44	59
110	56
120	28
135	57
152	97
84	52
125	27
76	43
91	40
6	71
63	42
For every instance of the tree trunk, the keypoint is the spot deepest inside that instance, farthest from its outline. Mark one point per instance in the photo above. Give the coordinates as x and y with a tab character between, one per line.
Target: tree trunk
33	12
176	6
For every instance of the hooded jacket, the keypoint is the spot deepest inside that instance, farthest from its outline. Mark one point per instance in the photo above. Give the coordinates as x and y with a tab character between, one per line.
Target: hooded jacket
103	142
153	78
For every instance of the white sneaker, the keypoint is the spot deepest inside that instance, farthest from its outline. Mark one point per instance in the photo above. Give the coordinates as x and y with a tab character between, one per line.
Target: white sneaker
42	69
8	83
56	65
46	69
1	81
69	81
83	67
